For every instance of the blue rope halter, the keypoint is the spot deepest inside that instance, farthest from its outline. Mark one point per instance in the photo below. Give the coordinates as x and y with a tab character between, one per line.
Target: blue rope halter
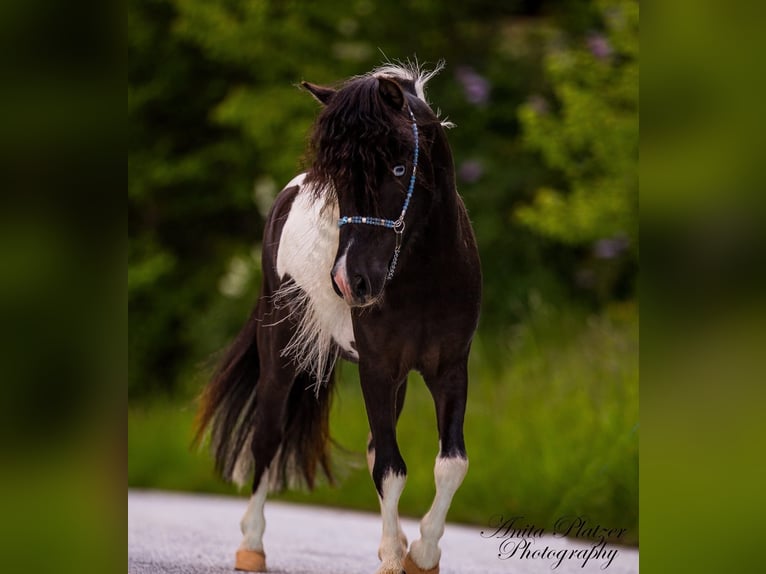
398	224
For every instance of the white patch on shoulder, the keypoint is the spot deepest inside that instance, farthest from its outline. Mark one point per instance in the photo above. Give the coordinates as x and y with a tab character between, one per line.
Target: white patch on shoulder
307	249
297	180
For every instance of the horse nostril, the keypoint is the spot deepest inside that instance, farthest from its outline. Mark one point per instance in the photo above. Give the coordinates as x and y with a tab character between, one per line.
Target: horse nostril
335	286
360	286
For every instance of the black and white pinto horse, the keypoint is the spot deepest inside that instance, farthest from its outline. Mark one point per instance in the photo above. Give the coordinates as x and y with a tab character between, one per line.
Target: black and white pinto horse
368	256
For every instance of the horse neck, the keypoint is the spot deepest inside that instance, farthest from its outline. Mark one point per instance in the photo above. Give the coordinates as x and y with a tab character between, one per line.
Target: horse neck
441	235
445	216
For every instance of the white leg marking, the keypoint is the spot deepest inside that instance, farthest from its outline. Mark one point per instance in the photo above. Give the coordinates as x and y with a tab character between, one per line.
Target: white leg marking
253	523
370	466
391	551
448	475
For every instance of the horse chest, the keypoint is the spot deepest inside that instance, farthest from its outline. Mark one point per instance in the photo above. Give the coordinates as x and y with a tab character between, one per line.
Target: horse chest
307	248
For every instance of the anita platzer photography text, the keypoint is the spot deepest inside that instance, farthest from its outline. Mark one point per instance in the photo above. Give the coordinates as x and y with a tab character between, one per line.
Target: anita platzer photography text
382	278
520	540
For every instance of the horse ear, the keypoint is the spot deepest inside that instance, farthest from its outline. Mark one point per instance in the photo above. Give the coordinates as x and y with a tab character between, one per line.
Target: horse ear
391	92
321	94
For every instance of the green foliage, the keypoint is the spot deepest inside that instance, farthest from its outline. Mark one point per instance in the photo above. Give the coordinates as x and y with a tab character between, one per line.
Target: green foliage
589	135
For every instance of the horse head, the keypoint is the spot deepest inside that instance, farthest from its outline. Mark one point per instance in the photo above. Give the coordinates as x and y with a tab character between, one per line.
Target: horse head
373	160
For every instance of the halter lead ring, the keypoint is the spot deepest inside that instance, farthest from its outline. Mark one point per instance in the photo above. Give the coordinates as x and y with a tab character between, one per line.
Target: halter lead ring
396	224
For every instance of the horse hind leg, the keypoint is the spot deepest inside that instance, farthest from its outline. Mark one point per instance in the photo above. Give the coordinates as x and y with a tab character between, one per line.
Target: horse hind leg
265	444
250	555
276	380
265	441
289	442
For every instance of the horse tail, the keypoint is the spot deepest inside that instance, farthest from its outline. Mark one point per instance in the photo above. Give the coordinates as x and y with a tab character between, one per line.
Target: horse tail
306	441
228	410
228	403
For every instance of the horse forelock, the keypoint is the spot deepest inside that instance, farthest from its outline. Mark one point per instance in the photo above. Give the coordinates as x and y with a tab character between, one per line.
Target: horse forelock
357	138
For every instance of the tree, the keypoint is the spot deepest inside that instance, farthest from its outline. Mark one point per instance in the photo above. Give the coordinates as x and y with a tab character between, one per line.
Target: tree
588	135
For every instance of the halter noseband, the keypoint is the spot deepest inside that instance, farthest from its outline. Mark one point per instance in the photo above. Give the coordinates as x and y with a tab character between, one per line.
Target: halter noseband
398	224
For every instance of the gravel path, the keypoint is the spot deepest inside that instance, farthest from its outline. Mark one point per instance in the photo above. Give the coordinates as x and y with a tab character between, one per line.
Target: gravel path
196	534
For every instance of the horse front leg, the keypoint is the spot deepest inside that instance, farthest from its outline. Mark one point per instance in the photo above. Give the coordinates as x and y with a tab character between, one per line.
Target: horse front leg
389	473
400	394
448	389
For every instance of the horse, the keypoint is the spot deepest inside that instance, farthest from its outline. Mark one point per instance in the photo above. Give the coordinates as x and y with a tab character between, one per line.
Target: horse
368	256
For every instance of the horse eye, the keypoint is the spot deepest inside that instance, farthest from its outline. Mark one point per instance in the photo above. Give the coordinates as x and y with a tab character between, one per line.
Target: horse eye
399	170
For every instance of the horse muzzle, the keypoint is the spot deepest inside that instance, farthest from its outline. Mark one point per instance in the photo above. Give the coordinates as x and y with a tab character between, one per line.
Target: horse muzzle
355	290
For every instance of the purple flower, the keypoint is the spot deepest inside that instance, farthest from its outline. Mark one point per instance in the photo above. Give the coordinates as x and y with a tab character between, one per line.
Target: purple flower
475	87
610	248
599	46
471	171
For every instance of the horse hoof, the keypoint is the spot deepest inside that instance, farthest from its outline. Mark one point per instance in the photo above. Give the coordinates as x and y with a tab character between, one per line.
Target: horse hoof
411	568
250	561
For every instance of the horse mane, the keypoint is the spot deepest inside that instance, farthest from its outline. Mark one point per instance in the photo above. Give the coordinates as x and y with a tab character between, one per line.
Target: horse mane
409	72
358	136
